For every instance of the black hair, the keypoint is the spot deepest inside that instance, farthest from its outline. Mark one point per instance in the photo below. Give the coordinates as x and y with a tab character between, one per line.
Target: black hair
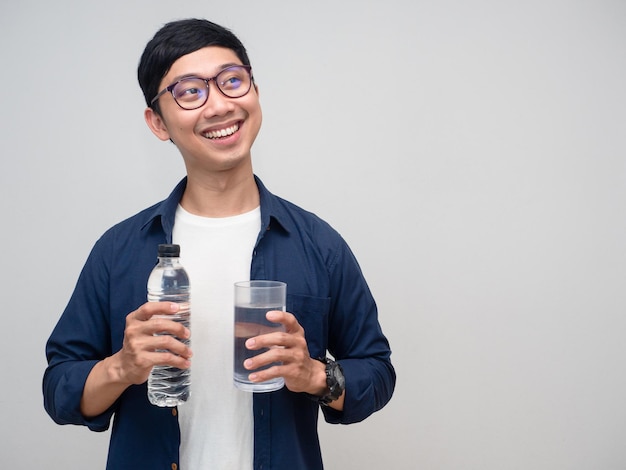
176	39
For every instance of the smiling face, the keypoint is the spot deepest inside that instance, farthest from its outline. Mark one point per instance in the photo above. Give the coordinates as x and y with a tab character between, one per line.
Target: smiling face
218	136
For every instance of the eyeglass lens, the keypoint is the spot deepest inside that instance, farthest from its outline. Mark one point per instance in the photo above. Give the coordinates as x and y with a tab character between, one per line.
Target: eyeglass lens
193	92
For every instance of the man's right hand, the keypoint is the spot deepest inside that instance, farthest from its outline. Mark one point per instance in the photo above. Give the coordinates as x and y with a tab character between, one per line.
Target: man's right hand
144	347
142	342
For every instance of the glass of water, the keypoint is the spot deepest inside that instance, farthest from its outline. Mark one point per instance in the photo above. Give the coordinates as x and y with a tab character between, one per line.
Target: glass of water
253	299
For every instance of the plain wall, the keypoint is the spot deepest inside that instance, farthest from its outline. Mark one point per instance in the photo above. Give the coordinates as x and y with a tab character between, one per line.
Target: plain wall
472	153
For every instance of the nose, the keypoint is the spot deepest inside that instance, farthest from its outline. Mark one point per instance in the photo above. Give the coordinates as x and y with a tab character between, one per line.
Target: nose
217	104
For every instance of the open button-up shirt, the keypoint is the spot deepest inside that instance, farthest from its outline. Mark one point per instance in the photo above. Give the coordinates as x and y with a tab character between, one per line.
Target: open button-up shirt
327	294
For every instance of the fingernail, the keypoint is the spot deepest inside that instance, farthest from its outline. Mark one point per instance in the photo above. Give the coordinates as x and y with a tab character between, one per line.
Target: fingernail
247	363
250	343
252	377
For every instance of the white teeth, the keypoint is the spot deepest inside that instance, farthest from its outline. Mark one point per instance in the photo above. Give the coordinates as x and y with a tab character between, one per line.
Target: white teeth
222	132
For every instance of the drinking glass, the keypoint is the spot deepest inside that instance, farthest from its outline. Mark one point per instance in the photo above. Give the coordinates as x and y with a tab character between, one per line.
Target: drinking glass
253	299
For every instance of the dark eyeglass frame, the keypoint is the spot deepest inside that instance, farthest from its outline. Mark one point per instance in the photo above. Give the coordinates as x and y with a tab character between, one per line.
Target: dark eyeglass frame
170	88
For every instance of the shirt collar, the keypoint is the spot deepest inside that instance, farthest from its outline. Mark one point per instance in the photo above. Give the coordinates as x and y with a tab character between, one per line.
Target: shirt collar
272	211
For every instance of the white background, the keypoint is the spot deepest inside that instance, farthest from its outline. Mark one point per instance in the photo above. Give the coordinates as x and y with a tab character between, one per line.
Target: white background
472	153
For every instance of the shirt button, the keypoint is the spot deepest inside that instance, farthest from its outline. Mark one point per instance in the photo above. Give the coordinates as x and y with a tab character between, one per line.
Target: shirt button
174	413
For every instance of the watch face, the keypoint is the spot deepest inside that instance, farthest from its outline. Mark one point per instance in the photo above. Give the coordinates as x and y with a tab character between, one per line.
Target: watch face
341	380
334	379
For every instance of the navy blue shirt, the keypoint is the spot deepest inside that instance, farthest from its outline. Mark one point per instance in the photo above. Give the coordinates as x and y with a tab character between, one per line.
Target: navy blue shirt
326	292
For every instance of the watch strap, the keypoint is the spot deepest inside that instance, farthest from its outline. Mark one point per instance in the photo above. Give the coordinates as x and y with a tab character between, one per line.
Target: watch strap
335	386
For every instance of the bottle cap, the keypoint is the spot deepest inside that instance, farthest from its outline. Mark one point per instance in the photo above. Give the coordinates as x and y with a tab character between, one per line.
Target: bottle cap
169	251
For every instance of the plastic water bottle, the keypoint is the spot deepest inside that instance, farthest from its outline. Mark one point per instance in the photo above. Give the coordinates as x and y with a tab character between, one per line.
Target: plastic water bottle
169	282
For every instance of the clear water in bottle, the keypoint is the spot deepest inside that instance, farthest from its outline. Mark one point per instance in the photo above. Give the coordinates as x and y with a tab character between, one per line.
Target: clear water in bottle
169	282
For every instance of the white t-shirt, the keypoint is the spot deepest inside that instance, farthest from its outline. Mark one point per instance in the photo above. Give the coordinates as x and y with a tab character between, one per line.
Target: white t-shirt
216	423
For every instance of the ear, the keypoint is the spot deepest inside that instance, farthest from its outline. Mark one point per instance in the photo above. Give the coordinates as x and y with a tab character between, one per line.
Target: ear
156	124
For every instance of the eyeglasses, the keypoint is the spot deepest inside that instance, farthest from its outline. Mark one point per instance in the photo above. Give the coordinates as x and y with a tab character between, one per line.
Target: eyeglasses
192	92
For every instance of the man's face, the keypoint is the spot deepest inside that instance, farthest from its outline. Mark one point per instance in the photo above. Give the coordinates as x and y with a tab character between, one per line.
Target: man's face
194	131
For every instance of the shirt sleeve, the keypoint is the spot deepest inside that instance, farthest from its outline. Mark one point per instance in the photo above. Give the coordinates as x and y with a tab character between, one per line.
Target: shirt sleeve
80	339
357	342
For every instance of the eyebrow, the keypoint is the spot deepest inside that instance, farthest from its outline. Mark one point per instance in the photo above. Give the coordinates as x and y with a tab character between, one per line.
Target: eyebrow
195	75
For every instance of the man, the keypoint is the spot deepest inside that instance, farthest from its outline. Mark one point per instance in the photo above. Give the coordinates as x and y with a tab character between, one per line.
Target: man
201	95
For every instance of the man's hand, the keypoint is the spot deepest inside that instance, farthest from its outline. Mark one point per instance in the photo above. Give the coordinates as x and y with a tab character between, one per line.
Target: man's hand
143	338
300	371
132	364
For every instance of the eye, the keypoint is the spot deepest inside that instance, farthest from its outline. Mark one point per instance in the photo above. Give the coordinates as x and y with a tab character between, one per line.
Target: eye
232	78
231	82
190	90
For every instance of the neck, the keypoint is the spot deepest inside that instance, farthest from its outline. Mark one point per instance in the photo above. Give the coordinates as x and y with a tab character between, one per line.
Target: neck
220	194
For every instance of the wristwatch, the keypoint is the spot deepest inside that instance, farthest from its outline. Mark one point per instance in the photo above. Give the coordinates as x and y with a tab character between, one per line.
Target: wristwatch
335	381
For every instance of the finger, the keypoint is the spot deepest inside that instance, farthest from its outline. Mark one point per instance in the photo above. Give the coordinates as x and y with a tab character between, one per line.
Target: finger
165	342
166	358
270	340
266	374
149	309
285	318
265	358
162	325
